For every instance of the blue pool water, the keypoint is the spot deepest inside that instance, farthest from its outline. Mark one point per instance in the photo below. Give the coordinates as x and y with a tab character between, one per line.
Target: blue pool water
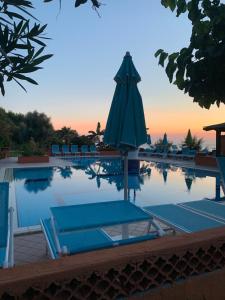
94	180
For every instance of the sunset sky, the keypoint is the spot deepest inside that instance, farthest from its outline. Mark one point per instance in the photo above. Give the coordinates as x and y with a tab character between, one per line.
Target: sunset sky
76	86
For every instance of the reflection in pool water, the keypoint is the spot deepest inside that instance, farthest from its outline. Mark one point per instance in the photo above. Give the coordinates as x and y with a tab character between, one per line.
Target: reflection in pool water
94	180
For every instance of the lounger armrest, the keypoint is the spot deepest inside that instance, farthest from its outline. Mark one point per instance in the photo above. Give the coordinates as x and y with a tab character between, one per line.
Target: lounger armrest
9	258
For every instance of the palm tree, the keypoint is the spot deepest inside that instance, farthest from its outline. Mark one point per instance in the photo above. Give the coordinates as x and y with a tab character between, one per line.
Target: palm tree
95	136
192	142
66	134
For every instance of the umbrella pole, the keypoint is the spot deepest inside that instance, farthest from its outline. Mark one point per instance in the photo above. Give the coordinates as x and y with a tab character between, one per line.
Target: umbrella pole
125	227
126	176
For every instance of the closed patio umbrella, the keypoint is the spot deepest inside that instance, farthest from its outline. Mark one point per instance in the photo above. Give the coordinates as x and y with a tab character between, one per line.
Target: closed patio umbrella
125	128
165	140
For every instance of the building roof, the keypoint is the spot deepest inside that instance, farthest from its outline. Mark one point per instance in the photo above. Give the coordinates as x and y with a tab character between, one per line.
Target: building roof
217	127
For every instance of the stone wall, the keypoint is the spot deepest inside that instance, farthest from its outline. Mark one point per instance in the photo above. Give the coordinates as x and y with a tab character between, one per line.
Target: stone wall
141	270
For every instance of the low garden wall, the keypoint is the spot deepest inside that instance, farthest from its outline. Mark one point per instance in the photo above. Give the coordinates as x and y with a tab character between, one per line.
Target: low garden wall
33	159
205	160
183	265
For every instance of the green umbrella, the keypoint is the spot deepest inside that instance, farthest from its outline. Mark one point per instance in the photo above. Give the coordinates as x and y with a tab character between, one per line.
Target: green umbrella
125	128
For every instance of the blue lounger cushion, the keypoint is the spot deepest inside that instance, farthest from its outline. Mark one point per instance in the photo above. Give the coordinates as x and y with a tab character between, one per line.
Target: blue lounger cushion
141	238
93	148
4	196
55	149
210	208
2	256
78	217
84	148
74	149
182	219
83	241
76	241
65	149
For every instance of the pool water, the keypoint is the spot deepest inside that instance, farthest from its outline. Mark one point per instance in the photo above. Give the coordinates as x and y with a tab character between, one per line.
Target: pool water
94	180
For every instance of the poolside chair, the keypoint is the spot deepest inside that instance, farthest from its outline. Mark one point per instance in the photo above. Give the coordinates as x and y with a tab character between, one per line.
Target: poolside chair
65	150
6	228
207	207
55	150
74	150
84	150
93	150
183	219
78	228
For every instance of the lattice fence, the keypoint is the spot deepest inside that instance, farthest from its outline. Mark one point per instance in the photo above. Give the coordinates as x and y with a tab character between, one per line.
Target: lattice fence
136	276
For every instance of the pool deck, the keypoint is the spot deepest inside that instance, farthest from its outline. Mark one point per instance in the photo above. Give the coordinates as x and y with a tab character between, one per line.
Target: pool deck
32	247
11	162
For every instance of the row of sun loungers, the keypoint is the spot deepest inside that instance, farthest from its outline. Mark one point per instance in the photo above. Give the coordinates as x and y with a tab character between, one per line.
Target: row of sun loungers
73	150
184	154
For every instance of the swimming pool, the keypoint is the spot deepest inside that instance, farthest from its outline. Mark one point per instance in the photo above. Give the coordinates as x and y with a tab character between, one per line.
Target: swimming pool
95	180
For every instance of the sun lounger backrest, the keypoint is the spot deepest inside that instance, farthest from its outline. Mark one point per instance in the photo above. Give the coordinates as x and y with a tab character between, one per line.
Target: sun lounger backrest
55	148
74	148
65	148
84	148
93	148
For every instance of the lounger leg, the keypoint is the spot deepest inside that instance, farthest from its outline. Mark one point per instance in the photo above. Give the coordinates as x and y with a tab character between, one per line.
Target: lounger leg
149	226
161	232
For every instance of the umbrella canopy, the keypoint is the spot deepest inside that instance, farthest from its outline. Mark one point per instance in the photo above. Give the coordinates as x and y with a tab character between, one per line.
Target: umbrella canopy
125	128
165	140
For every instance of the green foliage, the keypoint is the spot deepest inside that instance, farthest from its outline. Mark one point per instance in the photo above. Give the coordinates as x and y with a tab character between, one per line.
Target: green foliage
160	143
199	69
21	43
95	3
65	135
31	148
192	142
95	136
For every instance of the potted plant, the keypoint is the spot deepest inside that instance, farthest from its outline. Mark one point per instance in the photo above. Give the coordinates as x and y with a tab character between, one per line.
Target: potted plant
32	153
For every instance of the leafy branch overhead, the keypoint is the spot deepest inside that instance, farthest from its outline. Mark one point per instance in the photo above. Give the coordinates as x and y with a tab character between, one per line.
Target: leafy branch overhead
22	42
199	69
95	3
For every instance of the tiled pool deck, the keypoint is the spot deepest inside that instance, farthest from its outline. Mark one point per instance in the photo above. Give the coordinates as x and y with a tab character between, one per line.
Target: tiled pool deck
32	247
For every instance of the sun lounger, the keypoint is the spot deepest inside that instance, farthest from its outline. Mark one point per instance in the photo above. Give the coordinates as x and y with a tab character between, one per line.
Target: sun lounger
207	207
183	219
74	150
93	150
78	228
6	228
55	150
84	149
65	150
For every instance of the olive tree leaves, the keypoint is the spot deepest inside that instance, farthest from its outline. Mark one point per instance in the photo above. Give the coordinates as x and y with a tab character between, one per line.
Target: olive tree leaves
22	43
95	3
199	69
